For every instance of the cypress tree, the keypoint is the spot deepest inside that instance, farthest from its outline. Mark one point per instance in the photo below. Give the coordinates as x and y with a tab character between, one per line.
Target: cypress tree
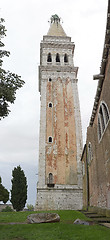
19	189
4	194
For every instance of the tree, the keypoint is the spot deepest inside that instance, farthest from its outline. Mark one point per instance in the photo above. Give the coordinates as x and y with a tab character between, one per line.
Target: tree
19	189
4	194
9	82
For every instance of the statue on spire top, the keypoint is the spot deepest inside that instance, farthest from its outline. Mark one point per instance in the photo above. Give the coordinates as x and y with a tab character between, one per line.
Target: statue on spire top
55	18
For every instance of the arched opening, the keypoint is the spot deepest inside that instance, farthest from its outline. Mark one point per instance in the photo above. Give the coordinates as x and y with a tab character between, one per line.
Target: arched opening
50	139
103	119
65	58
50	80
49	57
105	112
50	105
50	180
57	57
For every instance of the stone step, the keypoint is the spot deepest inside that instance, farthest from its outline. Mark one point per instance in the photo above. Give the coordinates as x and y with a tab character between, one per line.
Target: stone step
87	213
101	220
105	224
90	213
95	216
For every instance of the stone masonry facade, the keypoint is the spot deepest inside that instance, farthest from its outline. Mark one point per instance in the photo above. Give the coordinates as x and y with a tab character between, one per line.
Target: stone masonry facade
96	153
60	145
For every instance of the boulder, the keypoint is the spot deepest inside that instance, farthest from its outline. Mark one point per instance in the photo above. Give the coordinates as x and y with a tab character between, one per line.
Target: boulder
43	218
81	222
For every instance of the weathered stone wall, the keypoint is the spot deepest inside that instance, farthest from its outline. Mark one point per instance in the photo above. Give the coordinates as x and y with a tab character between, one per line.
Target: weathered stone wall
61	153
78	126
85	179
62	122
99	166
59	198
42	139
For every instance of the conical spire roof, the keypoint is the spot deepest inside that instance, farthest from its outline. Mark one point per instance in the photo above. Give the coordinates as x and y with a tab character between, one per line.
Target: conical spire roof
55	27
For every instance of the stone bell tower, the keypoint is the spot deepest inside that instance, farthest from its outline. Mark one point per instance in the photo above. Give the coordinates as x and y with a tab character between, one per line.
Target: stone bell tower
60	146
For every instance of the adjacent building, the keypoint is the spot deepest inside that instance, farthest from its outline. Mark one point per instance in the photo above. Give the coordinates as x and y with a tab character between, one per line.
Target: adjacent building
96	153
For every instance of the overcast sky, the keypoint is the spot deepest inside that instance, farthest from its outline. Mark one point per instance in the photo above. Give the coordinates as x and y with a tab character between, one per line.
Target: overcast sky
26	22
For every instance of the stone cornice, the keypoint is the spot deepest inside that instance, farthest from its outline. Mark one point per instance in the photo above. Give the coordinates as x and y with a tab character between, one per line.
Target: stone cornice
58	188
59	68
57	45
47	38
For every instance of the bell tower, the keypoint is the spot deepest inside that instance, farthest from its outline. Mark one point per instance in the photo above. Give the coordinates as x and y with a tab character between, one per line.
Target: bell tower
60	144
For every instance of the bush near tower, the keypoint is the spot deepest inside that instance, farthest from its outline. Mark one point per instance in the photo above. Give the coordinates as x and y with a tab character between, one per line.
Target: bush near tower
19	189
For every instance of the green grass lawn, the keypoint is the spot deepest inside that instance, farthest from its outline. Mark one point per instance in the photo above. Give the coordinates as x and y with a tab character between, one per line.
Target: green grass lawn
63	230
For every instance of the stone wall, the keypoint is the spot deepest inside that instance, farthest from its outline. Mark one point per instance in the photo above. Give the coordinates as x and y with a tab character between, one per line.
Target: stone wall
99	163
59	198
42	139
61	122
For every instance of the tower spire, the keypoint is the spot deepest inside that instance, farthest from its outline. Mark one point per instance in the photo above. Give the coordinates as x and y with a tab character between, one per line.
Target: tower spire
55	27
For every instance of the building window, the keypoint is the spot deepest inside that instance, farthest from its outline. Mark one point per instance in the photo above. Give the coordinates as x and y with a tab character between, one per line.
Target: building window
65	58
103	119
106	113
50	80
50	180
50	105
57	57
50	139
49	57
90	153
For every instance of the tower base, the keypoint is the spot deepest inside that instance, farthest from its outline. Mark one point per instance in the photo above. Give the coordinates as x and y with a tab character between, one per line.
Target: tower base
59	198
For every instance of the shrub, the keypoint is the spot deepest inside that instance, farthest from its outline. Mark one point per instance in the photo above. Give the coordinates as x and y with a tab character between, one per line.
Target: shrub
30	207
7	209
